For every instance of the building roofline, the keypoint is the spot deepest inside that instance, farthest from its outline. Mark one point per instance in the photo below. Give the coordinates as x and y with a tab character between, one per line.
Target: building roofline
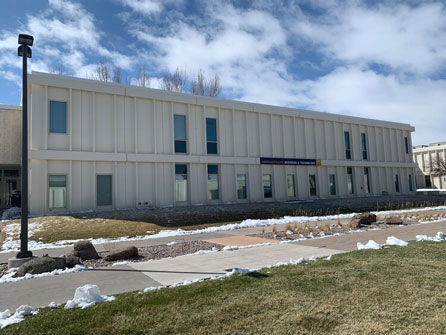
10	107
47	79
430	148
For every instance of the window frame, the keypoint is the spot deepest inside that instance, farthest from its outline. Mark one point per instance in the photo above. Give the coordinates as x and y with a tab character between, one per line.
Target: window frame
187	182
330	184
410	182
397	183
367	184
350	181
311	176
49	188
218	182
216	136
50	131
111	190
406	144
175	140
237	188
364	146
271	185
348	145
294	186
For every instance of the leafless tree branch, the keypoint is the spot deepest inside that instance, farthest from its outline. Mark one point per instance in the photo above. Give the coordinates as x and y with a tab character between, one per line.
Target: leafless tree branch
174	82
438	167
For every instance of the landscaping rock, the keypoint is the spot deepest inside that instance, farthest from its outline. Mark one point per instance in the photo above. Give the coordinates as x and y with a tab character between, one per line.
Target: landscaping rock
393	220
41	265
71	261
125	253
85	250
364	219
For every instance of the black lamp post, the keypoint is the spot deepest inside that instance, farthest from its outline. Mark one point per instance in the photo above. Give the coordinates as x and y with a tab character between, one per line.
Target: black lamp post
24	51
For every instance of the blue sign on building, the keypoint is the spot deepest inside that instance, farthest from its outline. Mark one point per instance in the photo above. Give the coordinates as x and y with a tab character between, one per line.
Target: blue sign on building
289	161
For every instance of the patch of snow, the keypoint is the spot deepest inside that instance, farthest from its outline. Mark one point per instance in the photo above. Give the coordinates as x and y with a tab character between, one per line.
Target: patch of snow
87	296
6	319
202	252
152	288
238	247
438	238
171	243
328	258
9	276
392	240
122	263
53	304
369	245
12	213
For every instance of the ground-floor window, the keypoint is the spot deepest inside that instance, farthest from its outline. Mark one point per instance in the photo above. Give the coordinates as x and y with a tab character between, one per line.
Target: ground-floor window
213	191
332	184
366	181
397	183
57	191
241	186
312	182
291	188
267	186
104	190
428	181
181	182
350	186
410	183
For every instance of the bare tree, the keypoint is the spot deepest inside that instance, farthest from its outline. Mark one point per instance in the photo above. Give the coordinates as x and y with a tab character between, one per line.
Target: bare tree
117	75
142	78
201	86
174	82
57	70
438	167
102	72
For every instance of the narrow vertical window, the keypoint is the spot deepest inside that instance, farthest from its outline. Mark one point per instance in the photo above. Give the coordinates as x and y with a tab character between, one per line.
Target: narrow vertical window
213	191
58	117
104	190
397	184
181	182
267	186
350	186
366	181
57	191
241	186
348	153
364	146
211	136
406	143
410	183
332	184
312	182
291	188
428	181
179	122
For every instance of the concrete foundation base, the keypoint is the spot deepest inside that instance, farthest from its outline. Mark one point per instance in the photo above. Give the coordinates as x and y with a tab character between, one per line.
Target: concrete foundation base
17	262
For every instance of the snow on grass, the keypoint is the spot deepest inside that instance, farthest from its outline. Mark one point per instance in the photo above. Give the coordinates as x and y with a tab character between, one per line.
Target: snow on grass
392	240
87	296
369	245
440	237
6	319
9	276
122	263
12	244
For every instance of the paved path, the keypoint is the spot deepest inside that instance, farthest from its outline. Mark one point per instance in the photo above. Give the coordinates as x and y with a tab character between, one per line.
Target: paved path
113	280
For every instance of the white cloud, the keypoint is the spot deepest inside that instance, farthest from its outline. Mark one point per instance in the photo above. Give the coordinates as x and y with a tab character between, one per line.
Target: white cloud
145	7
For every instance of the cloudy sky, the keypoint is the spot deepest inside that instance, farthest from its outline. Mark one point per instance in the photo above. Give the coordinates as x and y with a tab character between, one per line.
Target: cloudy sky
384	60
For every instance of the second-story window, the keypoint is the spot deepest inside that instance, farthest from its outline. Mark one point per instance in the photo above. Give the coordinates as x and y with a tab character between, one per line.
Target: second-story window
406	142
348	152
211	136
179	122
58	117
364	146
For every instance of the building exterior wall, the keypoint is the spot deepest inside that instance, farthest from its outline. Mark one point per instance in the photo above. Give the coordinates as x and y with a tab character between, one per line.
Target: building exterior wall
128	132
10	135
424	156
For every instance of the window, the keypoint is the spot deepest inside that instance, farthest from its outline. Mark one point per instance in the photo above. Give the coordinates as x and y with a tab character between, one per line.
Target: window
213	192
410	183
397	183
180	133
364	146
241	186
267	186
428	182
406	142
348	153
57	191
291	190
11	173
211	136
350	186
312	181
180	182
332	184
366	181
58	117
104	190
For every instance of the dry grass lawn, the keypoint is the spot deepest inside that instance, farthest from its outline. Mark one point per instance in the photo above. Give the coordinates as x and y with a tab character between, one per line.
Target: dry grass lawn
396	290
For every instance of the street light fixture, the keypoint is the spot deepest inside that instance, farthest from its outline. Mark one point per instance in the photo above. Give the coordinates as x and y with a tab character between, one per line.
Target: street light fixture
24	51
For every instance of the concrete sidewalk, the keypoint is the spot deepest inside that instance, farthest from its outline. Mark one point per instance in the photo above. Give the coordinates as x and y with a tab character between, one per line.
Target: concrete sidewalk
113	280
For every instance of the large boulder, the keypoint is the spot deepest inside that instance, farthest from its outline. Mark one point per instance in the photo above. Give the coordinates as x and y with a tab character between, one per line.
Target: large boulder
363	219
124	253
41	265
85	250
393	220
71	261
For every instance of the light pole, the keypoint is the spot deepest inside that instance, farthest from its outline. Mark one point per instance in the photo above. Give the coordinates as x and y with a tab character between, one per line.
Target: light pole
25	41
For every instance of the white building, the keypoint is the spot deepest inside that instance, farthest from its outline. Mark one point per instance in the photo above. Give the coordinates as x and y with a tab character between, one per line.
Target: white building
103	146
424	155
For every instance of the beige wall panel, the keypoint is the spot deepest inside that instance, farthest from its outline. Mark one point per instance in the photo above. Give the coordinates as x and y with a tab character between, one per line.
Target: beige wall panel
266	149
76	178
240	136
88	184
37	187
129	124
227	178
104	123
253	134
145	127
146	185
87	121
288	137
76	115
277	138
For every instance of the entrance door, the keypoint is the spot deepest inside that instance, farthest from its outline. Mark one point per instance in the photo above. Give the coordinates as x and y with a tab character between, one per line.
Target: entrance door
9	184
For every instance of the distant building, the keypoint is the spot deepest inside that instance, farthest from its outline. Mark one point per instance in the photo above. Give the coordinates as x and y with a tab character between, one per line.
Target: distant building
102	146
424	155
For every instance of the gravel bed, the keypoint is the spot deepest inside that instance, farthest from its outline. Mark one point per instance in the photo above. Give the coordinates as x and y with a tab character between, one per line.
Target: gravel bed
3	269
158	252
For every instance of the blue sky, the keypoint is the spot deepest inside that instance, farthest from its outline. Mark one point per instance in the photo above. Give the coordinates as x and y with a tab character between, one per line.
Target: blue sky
376	59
